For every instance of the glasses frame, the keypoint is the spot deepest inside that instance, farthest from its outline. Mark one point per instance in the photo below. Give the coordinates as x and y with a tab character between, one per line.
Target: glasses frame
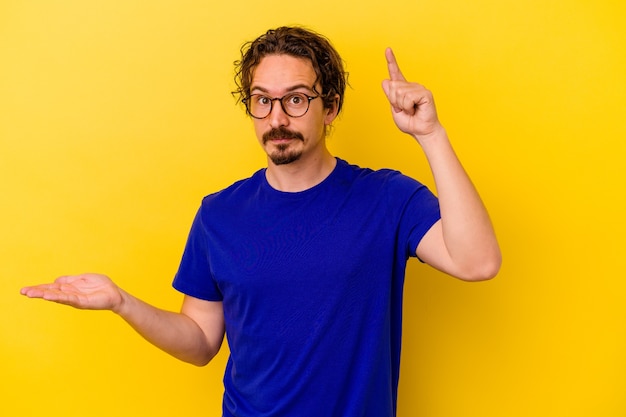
246	101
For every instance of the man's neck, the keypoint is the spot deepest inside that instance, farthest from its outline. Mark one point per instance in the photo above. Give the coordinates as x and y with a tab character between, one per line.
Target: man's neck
301	174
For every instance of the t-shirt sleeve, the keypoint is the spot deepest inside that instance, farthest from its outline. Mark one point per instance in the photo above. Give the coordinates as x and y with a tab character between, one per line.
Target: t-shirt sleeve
420	211
194	275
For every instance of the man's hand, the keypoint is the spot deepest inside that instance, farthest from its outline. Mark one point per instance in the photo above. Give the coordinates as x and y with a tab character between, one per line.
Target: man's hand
86	291
412	104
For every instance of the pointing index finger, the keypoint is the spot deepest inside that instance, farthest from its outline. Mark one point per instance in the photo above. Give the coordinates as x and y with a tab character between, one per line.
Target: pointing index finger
392	65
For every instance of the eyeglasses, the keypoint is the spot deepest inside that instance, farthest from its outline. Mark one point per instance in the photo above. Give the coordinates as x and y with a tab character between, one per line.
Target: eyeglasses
260	106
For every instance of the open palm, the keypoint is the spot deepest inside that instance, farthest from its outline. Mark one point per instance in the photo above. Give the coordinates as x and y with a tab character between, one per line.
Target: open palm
85	291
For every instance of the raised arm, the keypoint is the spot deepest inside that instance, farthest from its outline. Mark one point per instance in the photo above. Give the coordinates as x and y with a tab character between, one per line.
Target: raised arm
194	335
463	243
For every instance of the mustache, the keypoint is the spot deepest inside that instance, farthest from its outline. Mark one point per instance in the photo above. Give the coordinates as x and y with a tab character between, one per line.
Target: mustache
282	133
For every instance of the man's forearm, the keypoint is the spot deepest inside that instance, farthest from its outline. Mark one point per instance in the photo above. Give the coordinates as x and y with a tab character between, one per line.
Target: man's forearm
174	333
467	231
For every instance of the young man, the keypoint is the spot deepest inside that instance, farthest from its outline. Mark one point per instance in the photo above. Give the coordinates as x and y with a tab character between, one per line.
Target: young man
302	265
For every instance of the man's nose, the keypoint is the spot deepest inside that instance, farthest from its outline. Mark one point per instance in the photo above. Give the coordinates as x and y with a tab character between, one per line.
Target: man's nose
277	116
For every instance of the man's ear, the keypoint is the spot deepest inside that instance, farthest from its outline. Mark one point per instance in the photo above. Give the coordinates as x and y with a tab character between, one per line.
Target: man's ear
331	112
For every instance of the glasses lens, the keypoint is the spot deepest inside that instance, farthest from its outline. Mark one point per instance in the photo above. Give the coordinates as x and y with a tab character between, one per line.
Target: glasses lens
259	106
295	104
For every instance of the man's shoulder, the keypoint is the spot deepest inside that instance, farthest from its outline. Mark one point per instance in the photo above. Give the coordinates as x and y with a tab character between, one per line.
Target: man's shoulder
382	176
240	189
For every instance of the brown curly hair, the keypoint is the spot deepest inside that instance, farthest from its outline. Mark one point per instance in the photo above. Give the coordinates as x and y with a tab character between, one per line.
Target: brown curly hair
300	43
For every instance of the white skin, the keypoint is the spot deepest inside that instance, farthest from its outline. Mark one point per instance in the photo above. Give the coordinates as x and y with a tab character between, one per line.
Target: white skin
462	243
275	76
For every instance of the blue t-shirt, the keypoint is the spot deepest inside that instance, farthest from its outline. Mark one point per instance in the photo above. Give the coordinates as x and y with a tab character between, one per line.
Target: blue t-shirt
311	284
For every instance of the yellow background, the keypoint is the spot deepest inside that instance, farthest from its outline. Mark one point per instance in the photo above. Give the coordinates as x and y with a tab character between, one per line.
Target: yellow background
116	118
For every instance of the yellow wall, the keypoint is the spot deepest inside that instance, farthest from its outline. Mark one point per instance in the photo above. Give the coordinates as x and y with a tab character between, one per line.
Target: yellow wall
116	118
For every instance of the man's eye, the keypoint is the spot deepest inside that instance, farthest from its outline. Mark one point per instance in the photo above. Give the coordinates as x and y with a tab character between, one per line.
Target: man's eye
296	99
262	100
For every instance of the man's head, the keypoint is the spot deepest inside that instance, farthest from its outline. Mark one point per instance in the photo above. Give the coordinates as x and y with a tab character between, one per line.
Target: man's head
300	43
292	81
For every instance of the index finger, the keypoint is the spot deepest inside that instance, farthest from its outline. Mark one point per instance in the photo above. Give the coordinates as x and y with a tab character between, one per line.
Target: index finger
392	65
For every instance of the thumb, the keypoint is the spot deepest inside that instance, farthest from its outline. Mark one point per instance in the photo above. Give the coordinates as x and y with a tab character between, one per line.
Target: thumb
387	89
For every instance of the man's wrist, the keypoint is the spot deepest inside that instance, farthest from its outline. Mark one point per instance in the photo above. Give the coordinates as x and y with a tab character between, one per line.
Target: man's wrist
436	135
121	308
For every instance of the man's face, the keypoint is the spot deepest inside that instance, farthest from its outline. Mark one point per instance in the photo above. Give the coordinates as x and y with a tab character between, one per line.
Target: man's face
288	139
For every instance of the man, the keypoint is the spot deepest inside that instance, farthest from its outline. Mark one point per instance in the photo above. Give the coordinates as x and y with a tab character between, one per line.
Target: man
302	265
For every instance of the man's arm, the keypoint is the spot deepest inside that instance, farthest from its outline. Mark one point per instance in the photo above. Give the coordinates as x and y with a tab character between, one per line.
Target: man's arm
194	335
463	242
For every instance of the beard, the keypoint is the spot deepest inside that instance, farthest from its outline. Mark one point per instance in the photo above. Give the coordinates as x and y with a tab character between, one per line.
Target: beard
283	155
